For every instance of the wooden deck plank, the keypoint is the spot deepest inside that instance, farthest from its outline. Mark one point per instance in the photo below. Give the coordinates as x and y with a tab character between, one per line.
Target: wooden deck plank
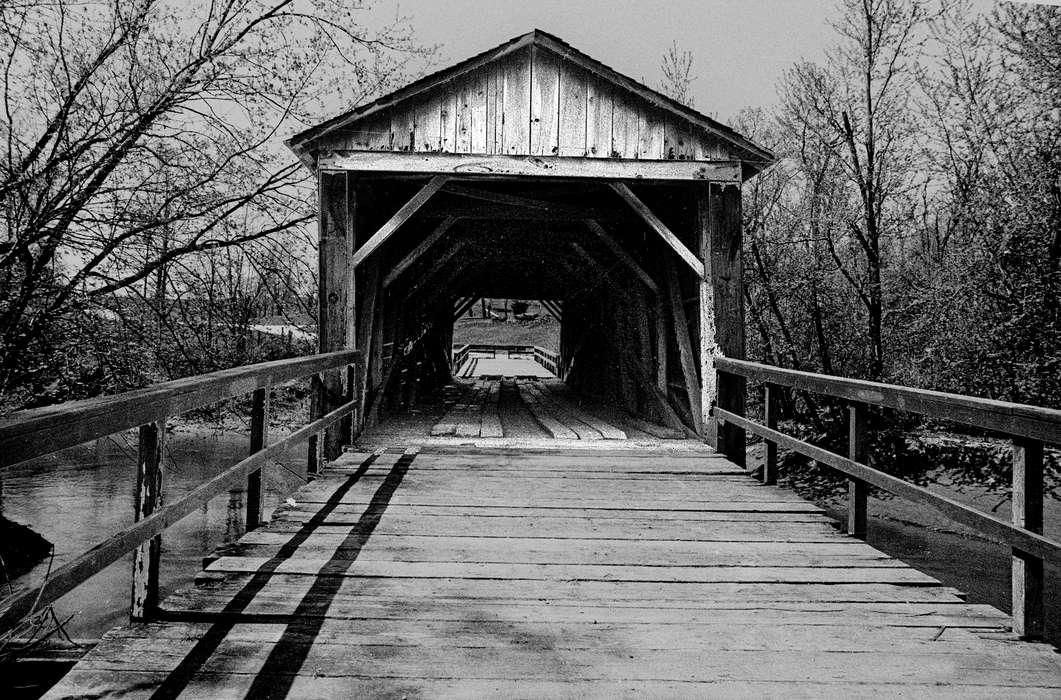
559	574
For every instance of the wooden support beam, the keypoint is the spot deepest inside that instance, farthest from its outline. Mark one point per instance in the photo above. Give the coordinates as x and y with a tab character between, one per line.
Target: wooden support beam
481	167
621	253
685	345
419	250
338	201
400	217
146	557
553	309
659	227
857	490
259	439
1028	582
722	308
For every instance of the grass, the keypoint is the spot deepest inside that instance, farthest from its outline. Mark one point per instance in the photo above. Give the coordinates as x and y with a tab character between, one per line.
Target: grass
543	332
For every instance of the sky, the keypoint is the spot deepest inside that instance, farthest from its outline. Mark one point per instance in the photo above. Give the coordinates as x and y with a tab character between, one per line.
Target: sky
740	48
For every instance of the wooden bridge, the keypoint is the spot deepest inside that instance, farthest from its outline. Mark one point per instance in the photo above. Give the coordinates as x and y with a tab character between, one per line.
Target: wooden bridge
593	533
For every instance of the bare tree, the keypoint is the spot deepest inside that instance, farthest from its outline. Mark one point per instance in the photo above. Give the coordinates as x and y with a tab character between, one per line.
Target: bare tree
138	132
677	69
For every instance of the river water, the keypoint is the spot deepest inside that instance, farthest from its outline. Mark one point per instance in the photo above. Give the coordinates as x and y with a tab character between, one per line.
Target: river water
78	497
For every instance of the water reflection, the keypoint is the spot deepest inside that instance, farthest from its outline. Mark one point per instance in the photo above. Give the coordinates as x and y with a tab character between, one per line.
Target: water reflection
78	497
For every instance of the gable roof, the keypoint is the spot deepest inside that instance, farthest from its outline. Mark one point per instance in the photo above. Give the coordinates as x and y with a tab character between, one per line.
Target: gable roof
754	157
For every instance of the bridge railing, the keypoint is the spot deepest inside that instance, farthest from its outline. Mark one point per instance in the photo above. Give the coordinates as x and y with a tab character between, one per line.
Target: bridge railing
28	434
1029	427
546	358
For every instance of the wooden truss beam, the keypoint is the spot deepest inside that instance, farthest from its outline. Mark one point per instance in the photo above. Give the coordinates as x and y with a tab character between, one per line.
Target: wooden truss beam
400	217
464	165
685	345
439	263
659	227
463	307
516	200
419	250
554	309
621	253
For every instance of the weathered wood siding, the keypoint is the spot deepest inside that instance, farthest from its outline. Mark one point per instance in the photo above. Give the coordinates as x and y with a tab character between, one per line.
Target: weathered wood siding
533	102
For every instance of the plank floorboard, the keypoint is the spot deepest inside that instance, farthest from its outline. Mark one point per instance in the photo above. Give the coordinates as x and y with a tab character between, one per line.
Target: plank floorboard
558	573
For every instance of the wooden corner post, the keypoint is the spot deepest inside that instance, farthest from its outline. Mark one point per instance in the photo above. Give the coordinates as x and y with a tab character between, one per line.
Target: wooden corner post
718	216
335	250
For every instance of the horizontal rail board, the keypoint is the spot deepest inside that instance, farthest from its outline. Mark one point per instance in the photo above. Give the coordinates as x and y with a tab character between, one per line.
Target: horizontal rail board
70	575
1014	419
28	434
506	166
982	522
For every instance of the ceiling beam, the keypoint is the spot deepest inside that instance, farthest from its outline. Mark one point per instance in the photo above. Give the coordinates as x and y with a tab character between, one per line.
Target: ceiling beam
621	253
467	166
400	217
659	227
419	250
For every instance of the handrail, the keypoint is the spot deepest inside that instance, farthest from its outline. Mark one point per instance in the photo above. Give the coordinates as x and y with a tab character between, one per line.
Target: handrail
1015	419
1029	426
40	431
148	409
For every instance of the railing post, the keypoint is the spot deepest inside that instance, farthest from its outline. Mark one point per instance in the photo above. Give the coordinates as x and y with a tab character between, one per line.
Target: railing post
315	456
149	473
259	438
350	423
772	406
1028	610
857	490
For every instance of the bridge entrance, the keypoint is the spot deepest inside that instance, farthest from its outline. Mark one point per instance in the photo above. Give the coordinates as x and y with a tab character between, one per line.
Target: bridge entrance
534	172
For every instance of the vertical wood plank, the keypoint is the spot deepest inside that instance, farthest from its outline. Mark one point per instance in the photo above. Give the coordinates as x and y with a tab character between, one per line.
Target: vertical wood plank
403	128
429	124
598	118
726	277
545	103
1028	583
772	406
517	82
448	120
857	491
491	110
464	92
573	114
497	116
650	132
478	122
624	126
149	480
259	438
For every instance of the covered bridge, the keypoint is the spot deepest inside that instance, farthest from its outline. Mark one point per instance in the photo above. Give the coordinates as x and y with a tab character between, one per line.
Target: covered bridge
534	171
